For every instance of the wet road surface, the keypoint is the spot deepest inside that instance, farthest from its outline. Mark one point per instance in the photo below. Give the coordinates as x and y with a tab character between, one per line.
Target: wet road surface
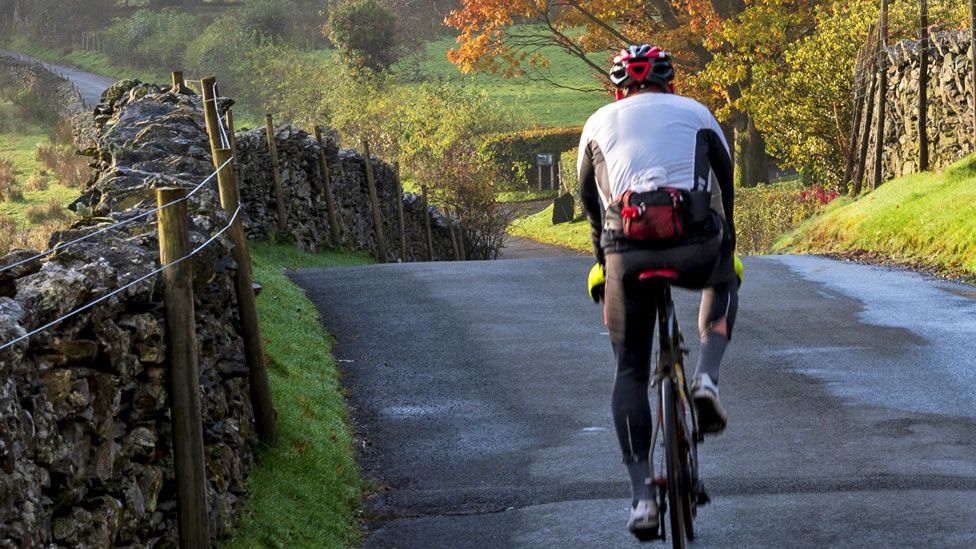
483	390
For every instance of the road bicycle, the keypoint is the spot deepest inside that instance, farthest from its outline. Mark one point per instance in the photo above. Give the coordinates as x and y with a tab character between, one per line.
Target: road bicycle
680	489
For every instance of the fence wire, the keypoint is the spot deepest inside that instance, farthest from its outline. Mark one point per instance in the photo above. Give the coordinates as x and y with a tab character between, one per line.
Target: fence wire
116	225
116	292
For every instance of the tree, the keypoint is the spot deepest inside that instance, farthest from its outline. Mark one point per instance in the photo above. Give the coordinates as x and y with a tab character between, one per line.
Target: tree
494	38
364	32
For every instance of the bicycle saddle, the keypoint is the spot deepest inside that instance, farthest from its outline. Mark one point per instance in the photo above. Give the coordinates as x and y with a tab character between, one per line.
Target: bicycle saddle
668	274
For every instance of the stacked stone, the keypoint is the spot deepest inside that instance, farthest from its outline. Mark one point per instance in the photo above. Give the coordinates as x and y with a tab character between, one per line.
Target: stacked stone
298	158
51	90
949	110
85	434
306	206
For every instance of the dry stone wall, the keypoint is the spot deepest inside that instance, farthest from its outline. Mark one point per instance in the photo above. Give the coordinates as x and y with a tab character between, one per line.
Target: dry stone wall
950	106
51	91
305	203
85	435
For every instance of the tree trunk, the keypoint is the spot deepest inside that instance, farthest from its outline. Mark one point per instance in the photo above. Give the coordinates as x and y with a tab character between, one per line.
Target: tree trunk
750	154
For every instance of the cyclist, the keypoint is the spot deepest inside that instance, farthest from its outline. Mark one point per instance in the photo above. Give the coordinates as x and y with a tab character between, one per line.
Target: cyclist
653	141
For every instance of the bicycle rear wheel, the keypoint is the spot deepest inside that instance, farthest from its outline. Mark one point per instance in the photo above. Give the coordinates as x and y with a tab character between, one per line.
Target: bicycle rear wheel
678	492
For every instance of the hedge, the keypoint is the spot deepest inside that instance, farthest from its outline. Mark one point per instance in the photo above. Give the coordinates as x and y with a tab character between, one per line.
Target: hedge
515	152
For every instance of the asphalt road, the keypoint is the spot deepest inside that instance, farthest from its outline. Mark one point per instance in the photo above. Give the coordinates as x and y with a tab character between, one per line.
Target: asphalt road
482	390
89	85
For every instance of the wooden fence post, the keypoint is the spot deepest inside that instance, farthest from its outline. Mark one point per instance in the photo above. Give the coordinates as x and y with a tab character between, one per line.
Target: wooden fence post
403	228
426	209
870	69
279	191
184	372
375	203
860	168
327	189
882	95
260	387
179	84
923	82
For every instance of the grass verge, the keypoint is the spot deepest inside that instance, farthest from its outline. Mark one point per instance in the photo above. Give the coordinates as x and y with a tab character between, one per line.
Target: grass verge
539	227
515	197
922	220
306	492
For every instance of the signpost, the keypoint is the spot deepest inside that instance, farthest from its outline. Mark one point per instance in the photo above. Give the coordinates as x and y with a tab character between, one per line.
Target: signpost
546	159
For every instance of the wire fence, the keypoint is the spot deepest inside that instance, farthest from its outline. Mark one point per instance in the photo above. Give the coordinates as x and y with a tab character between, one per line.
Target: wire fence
125	287
172	223
62	245
912	49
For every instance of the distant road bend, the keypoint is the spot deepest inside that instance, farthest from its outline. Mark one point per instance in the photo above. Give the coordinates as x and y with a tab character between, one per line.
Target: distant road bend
483	389
90	85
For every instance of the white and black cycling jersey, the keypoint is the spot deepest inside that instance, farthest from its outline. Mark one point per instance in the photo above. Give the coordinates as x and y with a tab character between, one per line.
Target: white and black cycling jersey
650	141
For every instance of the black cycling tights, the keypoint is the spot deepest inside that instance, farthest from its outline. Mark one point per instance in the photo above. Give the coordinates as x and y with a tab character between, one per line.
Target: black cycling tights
631	317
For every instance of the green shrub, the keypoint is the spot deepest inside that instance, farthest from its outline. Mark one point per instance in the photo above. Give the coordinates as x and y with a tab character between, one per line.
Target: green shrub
508	150
225	51
365	32
275	20
766	212
152	39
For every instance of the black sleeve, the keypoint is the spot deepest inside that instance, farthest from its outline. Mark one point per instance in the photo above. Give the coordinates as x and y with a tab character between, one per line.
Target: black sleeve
591	201
721	163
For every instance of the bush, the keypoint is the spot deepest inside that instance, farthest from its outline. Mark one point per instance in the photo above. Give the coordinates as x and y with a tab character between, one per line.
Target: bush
53	210
365	32
69	168
512	151
152	39
36	182
225	51
8	178
275	20
10	237
764	213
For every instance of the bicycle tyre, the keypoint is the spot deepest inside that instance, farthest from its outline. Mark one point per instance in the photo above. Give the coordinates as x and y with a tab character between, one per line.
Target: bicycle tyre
673	464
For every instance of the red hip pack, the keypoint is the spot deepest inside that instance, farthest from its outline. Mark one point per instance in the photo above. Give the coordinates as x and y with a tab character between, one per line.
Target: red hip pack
653	215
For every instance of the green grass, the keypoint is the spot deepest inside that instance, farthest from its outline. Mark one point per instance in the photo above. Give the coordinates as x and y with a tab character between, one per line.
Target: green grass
544	104
535	103
306	492
926	220
539	227
18	142
514	197
89	61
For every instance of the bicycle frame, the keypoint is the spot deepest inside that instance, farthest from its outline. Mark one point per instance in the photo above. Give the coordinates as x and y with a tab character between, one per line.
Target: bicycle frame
670	368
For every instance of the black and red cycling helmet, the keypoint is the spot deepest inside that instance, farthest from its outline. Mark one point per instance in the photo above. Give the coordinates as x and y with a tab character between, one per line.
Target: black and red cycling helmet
638	67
